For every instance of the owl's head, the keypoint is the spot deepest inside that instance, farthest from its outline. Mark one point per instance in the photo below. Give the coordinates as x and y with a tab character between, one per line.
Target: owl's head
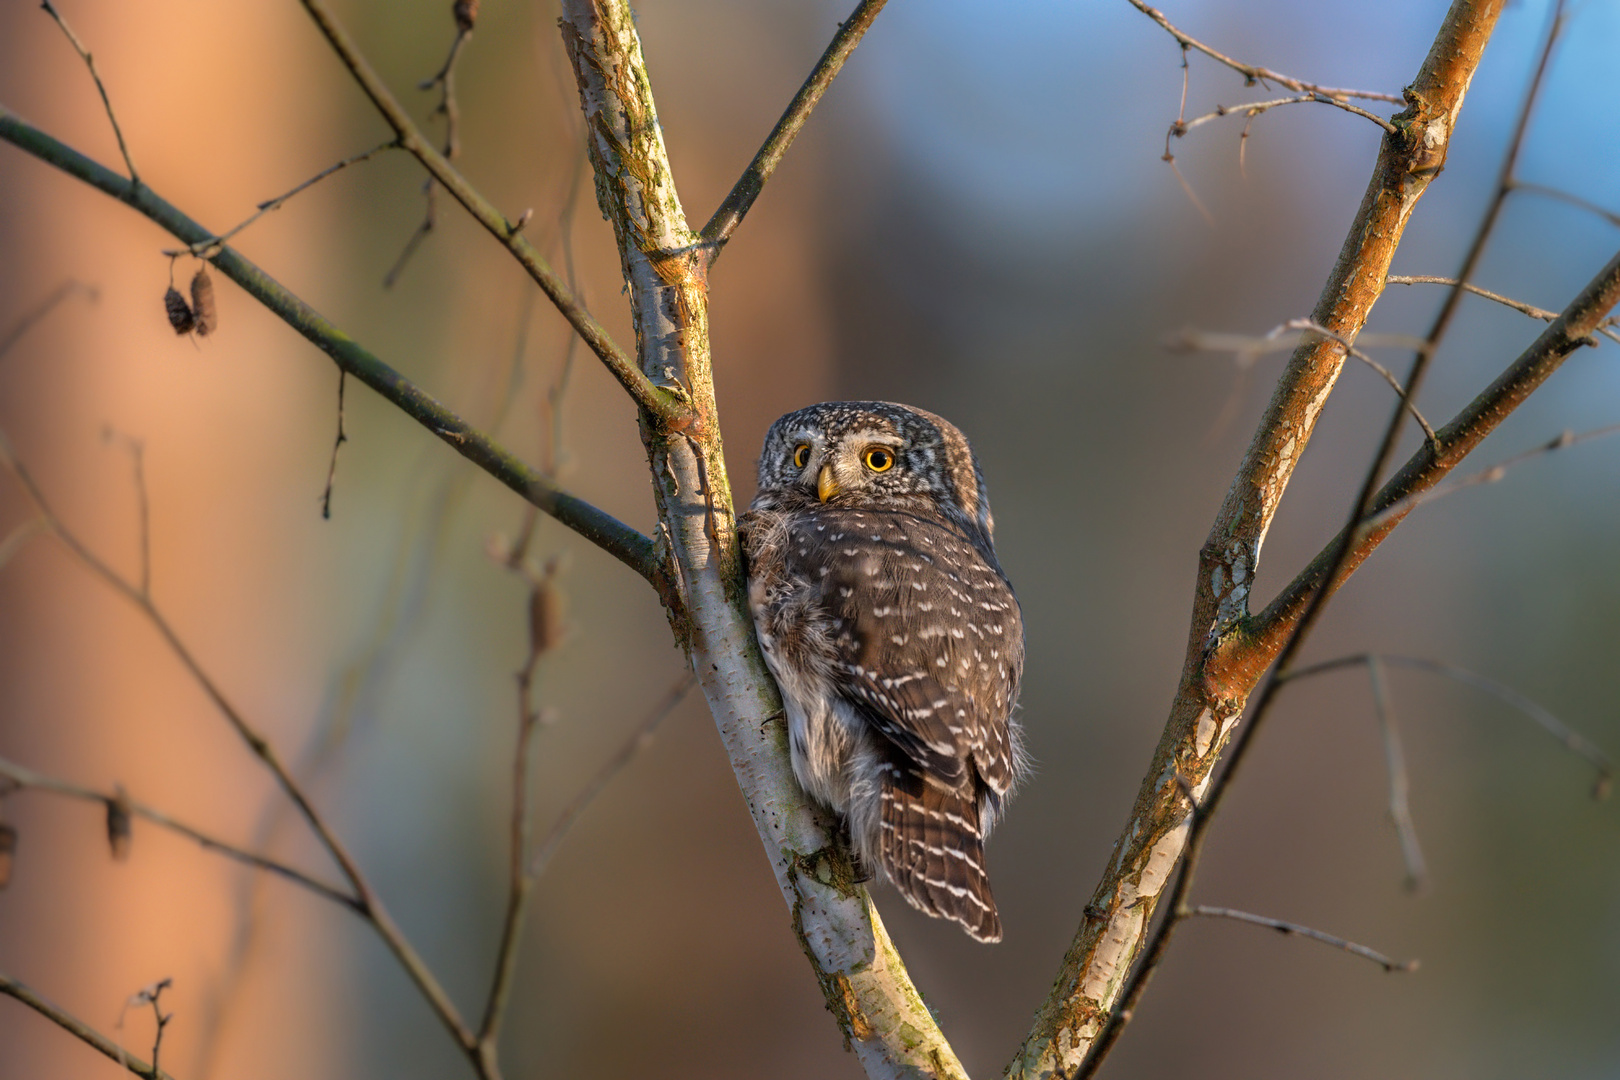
875	454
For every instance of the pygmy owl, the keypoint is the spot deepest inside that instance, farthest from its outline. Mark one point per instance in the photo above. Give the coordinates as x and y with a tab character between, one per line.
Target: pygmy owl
895	638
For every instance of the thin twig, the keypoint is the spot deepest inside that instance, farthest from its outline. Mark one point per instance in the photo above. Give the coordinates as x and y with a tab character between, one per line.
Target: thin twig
1252	109
658	402
143	507
1605	327
79	1029
1574	200
1572	740
626	544
39	311
748	186
1491	475
1295	929
1254	74
638	740
370	905
337	444
89	62
1400	806
445	79
27	779
1246	350
207	249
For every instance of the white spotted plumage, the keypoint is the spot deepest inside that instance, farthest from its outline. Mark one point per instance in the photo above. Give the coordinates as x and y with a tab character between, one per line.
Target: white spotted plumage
895	639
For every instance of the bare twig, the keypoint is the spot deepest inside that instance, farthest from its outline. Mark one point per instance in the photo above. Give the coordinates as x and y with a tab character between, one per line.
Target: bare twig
27	779
207	249
149	995
1400	807
89	62
1296	929
1246	350
1405	505
39	311
143	507
638	741
337	444
1574	200
1606	327
1252	109
1571	739
368	903
748	186
1254	74
79	1029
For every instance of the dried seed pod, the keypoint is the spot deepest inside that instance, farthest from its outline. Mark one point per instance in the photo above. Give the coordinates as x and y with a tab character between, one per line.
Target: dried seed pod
8	847
118	823
180	316
466	12
202	302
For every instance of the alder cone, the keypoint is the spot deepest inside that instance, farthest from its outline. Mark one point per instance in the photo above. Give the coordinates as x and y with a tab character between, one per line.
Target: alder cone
202	302
466	12
179	312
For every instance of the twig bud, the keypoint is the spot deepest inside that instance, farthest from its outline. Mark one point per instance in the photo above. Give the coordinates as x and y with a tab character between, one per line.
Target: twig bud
179	312
119	823
466	12
202	302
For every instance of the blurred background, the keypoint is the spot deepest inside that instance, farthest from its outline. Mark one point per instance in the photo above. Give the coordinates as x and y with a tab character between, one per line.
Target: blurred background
976	221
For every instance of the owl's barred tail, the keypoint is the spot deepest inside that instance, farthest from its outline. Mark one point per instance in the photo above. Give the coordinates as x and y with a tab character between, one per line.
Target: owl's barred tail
933	852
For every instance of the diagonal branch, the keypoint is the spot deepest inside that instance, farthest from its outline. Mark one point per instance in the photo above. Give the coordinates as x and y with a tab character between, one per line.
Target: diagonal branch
611	535
1089	999
742	195
657	401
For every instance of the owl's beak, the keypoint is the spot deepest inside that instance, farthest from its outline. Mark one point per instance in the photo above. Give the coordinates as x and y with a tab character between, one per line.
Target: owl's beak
826	483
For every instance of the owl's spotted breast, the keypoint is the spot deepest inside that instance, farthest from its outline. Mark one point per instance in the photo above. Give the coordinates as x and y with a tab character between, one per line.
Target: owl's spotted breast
895	638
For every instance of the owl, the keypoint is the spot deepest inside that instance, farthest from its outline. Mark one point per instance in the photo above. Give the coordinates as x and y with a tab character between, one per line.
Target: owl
895	638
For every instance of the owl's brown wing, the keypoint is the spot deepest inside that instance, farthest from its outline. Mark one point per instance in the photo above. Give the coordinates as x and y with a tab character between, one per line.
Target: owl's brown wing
926	633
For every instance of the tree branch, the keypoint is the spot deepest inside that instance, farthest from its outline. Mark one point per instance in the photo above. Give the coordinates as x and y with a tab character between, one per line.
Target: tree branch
1571	330
1253	73
1305	931
611	535
366	900
865	985
25	779
1210	701
657	401
748	186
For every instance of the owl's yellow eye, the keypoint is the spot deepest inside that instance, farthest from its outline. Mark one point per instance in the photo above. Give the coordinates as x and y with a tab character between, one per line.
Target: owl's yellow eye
801	455
879	459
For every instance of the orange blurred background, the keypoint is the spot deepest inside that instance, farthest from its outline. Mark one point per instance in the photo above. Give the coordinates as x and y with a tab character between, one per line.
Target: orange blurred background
976	221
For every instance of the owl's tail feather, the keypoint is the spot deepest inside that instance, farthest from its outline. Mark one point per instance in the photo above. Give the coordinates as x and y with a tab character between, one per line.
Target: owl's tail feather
933	851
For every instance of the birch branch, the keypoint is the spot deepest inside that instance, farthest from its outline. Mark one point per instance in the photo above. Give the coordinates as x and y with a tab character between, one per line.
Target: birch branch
860	973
